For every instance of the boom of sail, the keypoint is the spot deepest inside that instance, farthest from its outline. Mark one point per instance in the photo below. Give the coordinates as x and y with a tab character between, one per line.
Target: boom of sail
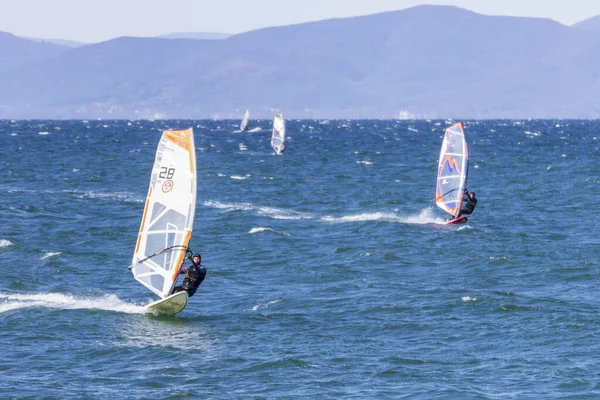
168	215
453	169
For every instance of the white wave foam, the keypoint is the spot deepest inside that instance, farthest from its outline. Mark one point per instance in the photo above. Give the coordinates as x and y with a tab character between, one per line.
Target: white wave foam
278	213
272	212
49	254
67	302
119	196
424	217
257	129
469	298
238	177
365	162
265	305
264	229
43	133
364	217
5	243
227	206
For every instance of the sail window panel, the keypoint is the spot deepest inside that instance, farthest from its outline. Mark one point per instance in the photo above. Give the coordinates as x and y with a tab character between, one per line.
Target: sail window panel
157	209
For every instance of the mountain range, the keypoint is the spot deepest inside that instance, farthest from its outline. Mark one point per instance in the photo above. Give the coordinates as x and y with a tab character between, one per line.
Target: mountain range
421	62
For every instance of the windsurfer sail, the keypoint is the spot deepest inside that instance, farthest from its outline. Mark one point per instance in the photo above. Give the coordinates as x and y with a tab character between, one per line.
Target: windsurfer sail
244	123
453	168
168	216
278	135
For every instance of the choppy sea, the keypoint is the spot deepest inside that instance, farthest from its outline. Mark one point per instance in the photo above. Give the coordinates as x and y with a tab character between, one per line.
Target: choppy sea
331	273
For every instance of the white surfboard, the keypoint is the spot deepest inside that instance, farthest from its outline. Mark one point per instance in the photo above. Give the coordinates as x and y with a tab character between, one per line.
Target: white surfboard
167	220
170	305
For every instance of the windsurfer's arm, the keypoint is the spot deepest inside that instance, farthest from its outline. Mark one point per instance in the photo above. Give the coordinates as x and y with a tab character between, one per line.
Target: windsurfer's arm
182	269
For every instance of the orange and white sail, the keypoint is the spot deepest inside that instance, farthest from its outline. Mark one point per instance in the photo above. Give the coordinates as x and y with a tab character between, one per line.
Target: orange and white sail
168	216
453	169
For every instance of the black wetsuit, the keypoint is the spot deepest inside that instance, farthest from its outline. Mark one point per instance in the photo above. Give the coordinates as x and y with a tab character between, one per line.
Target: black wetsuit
469	207
194	275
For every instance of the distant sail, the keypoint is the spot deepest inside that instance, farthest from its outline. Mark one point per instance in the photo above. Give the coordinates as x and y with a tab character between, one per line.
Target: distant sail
453	169
278	135
244	123
169	213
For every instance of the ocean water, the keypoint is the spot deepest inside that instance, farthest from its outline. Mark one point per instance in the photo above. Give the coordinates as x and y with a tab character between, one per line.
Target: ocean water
331	273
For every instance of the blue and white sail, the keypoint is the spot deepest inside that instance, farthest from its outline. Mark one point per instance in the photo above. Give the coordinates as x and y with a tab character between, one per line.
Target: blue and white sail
453	169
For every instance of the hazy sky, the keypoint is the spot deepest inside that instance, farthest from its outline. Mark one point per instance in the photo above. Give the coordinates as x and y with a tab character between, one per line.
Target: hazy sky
99	20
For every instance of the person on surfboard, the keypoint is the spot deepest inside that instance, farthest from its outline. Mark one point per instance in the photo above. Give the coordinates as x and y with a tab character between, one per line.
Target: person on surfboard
194	275
471	203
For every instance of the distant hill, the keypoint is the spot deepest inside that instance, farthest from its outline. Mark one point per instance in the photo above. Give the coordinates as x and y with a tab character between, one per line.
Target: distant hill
426	62
196	35
16	52
591	24
61	42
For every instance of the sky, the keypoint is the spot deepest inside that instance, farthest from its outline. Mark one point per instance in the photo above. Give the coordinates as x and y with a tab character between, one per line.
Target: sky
92	21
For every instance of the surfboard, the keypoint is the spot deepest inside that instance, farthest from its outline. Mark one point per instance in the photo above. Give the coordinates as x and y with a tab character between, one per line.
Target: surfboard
460	220
453	170
167	220
170	305
278	134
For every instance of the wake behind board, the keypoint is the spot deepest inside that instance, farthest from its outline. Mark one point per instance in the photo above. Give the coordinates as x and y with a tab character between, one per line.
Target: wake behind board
460	220
170	305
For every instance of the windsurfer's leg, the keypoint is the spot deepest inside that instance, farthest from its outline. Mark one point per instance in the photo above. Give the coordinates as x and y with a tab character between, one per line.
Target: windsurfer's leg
177	289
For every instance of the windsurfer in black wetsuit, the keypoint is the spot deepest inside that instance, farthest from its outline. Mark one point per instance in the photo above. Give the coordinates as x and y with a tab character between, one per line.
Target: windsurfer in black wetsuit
194	275
471	203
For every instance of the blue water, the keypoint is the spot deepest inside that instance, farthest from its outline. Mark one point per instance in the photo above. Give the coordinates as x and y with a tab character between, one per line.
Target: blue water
331	274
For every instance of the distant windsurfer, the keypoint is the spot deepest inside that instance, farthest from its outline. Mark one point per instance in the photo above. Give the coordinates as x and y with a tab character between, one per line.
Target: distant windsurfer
469	204
194	275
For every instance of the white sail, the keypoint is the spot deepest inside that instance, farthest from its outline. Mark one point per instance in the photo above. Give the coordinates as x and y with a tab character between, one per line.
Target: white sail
453	168
244	123
169	213
278	135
